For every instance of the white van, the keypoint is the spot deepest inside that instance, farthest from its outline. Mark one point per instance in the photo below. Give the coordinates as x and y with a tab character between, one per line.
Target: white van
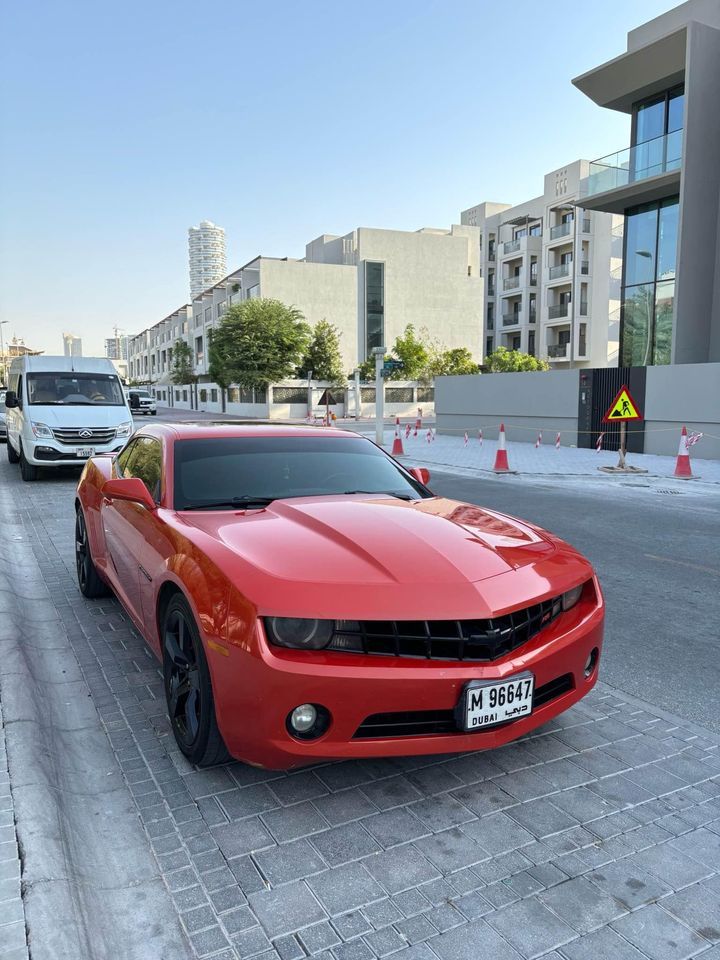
62	410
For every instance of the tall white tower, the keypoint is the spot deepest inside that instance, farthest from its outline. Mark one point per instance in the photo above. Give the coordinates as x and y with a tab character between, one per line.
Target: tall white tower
206	245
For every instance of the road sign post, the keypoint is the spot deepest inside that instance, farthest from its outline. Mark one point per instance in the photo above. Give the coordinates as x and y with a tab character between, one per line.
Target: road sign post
621	410
379	353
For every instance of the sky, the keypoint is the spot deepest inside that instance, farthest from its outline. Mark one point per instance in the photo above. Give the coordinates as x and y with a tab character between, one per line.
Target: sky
123	124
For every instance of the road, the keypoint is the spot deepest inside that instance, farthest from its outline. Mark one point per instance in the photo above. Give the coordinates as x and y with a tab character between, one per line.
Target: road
658	559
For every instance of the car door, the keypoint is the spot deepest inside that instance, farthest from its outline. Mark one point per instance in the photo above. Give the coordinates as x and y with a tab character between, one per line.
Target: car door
126	525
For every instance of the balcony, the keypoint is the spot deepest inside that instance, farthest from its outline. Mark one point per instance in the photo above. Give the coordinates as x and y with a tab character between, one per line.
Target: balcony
511	319
557	310
636	174
511	246
558	351
561	230
511	283
561	270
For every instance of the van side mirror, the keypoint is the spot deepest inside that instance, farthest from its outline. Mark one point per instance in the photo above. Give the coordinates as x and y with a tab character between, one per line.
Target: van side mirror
11	399
131	489
421	474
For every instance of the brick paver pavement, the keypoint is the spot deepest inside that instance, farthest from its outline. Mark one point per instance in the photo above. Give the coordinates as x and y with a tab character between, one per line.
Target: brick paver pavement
598	836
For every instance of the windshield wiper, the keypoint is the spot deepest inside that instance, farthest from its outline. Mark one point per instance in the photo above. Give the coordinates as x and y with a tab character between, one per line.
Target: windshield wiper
241	503
381	493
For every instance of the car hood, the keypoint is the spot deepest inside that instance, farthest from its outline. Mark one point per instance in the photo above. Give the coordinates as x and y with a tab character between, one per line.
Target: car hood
76	415
378	541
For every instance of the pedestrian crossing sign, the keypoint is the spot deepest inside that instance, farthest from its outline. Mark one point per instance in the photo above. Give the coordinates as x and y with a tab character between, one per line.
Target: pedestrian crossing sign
622	408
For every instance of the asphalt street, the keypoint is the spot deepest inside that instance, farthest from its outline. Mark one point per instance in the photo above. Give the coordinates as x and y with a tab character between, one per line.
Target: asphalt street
658	558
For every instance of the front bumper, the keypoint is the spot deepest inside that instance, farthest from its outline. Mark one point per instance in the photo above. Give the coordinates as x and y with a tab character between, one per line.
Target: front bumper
257	687
51	453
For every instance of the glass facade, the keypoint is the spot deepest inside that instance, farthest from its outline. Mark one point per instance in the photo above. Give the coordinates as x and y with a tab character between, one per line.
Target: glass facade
374	306
649	283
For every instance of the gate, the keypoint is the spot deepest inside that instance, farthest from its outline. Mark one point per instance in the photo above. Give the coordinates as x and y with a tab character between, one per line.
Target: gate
598	387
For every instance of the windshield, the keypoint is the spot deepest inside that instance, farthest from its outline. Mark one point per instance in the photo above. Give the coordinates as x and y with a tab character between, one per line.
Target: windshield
221	471
92	389
140	393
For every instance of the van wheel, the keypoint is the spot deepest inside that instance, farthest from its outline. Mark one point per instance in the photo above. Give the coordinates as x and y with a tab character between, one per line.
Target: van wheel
12	456
28	471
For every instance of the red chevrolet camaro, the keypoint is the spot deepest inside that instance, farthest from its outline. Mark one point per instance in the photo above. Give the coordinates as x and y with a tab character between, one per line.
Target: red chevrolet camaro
311	599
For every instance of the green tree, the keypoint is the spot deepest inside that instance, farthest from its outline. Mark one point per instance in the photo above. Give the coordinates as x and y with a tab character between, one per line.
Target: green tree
413	352
451	363
513	361
323	355
183	368
258	342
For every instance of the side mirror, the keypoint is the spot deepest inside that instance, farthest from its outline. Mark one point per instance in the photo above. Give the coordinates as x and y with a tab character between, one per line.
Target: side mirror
131	489
11	399
421	474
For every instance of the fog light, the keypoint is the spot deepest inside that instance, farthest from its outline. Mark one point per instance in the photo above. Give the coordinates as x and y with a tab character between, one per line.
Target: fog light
303	718
591	662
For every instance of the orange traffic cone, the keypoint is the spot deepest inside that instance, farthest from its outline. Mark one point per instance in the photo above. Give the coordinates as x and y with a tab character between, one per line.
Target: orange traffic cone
682	464
501	457
397	447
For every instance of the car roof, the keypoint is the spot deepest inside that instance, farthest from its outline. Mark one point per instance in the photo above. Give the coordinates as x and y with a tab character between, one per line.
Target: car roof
200	430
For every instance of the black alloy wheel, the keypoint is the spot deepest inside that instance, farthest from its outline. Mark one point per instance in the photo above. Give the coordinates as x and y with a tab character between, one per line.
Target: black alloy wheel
188	690
89	580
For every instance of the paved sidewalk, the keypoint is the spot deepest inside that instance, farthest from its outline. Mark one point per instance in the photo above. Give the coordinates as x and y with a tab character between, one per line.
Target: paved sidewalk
546	461
596	837
13	941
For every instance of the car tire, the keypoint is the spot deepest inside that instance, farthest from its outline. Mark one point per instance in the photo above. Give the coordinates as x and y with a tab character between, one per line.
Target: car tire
12	456
188	689
89	580
153	413
28	471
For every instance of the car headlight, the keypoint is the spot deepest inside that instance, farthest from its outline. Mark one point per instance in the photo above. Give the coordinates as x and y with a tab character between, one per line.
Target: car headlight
298	633
42	430
570	598
124	430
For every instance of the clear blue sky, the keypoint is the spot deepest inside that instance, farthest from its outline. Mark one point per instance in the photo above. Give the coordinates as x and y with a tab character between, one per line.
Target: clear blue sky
123	124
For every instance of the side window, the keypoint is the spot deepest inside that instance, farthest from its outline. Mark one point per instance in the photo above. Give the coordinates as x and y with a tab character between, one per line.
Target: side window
122	460
20	391
146	463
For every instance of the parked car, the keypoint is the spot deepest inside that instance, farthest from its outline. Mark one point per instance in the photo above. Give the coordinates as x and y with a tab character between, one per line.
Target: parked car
311	599
142	401
62	410
3	425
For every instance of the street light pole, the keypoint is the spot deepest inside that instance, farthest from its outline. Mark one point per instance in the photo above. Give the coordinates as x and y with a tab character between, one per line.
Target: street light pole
2	353
379	354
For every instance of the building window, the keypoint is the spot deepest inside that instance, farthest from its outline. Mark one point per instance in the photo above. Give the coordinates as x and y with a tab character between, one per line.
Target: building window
531	343
516	341
213	395
649	283
184	396
536	230
488	346
657	133
177	396
208	314
203	396
374	306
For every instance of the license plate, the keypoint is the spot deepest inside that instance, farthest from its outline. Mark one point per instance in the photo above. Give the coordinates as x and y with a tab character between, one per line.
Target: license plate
486	703
85	452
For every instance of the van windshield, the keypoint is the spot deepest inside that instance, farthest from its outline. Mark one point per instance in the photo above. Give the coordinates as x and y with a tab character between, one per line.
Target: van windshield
90	389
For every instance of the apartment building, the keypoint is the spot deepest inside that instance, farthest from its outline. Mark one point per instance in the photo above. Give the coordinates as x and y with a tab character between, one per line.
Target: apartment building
665	185
369	283
551	272
72	345
206	255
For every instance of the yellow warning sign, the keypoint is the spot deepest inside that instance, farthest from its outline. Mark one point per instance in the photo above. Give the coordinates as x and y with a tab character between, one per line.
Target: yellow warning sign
622	408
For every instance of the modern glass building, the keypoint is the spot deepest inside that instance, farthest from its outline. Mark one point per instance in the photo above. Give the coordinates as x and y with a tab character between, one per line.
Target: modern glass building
666	184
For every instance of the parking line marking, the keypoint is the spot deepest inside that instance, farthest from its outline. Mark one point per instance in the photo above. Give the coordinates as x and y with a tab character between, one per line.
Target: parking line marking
684	563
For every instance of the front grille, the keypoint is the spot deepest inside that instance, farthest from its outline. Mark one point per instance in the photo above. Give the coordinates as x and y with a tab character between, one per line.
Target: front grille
473	640
71	436
418	723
